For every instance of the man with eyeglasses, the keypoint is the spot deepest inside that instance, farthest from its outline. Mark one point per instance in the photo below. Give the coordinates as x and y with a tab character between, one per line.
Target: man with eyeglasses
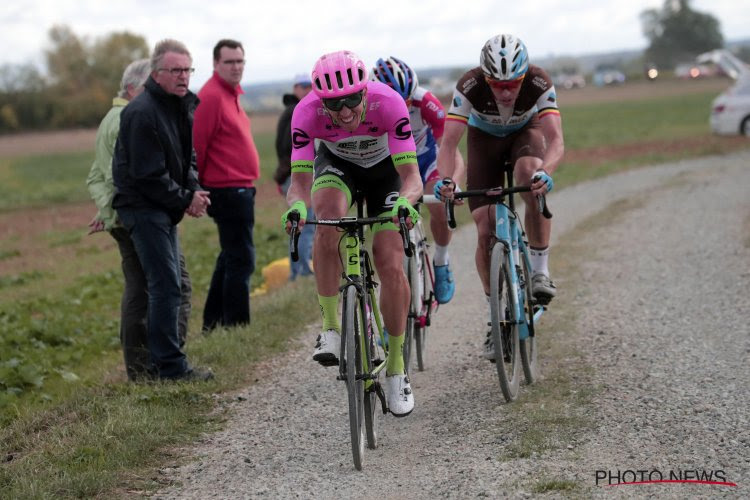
228	166
155	185
510	108
366	144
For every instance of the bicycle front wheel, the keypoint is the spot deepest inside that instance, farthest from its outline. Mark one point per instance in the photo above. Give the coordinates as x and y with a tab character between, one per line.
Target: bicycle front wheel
528	345
354	384
504	324
426	298
371	396
412	273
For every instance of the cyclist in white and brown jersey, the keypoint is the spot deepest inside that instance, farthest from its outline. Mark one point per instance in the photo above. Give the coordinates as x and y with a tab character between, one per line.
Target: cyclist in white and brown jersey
510	108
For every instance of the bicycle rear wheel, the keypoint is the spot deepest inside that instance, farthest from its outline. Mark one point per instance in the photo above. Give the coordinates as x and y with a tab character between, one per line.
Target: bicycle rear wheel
371	397
354	384
504	324
528	345
420	330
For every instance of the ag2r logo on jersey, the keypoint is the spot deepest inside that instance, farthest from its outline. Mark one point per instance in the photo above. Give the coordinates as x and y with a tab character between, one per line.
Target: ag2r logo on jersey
401	132
300	139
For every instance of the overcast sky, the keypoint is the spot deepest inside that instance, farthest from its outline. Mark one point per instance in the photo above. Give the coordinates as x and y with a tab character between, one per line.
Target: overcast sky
285	37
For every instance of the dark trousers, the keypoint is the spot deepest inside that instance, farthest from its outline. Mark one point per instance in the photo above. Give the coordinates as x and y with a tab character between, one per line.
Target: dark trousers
228	300
134	308
157	247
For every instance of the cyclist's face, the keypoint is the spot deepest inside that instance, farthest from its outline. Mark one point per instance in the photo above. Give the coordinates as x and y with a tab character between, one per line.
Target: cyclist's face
349	118
505	92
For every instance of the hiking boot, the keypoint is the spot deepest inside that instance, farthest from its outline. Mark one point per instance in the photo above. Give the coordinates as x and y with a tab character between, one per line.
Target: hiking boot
398	395
444	285
327	348
542	288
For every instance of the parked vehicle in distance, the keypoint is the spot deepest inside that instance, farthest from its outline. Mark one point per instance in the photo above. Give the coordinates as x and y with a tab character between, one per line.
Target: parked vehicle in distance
608	76
730	111
568	81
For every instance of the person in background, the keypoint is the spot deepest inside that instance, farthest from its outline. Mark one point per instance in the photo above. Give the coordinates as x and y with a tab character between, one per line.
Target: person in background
228	165
134	303
427	117
283	175
156	184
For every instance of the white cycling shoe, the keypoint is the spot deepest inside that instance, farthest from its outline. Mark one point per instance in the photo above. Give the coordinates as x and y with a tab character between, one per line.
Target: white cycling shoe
398	395
327	348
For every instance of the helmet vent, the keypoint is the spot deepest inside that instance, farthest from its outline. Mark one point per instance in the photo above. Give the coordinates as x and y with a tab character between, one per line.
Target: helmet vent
328	81
503	66
339	80
350	76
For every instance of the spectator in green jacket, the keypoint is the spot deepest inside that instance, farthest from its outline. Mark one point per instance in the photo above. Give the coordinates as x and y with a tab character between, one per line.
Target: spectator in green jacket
135	295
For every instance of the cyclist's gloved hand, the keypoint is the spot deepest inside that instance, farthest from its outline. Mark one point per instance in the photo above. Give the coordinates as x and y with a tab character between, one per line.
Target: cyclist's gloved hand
299	207
403	202
542	176
444	182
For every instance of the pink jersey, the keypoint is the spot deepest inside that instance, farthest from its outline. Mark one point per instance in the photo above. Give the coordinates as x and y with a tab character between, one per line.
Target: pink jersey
384	130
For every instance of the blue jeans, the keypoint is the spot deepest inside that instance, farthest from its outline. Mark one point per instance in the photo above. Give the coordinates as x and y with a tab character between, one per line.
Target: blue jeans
228	300
304	245
158	248
134	308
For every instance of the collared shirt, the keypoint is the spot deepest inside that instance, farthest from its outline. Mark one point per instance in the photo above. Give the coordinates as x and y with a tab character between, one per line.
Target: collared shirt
226	152
99	180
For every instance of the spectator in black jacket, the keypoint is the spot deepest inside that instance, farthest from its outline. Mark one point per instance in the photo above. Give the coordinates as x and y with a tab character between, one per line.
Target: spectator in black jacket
282	176
156	184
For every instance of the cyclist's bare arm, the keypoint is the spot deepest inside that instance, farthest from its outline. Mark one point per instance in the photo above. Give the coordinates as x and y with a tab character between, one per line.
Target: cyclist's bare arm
459	165
299	190
553	136
448	166
411	182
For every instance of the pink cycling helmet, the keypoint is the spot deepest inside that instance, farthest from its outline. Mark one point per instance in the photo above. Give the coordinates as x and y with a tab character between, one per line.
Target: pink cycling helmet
338	74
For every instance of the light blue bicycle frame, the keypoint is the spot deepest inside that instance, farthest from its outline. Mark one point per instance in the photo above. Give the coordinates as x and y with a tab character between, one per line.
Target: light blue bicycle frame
508	233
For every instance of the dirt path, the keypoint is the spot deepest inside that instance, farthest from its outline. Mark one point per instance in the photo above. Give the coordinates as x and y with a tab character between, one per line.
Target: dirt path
645	357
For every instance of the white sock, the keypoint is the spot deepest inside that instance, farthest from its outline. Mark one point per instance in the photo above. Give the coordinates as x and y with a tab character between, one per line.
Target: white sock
441	257
538	258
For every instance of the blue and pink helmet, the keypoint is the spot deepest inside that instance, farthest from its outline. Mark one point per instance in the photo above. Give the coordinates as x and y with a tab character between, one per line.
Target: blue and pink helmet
338	74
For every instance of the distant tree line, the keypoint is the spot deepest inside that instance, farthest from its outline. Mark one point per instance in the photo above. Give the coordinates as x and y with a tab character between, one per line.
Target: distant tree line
677	33
78	86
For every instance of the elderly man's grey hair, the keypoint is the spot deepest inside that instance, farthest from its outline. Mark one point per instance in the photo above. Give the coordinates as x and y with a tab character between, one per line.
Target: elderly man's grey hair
134	75
167	45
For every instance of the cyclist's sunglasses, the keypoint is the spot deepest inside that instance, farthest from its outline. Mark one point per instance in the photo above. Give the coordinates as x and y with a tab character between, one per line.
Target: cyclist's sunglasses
504	84
350	101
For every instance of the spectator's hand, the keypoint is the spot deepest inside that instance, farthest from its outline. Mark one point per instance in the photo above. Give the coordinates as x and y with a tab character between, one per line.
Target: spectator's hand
199	204
299	207
541	183
96	226
412	217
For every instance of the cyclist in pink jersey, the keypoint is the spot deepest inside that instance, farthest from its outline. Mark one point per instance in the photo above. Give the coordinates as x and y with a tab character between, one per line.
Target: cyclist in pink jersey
510	109
427	117
365	145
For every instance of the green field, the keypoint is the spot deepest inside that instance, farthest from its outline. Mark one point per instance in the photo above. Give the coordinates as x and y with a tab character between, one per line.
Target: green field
72	426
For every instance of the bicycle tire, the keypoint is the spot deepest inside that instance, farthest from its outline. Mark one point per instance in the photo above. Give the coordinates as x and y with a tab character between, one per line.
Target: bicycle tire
371	397
504	324
354	385
414	306
420	332
528	346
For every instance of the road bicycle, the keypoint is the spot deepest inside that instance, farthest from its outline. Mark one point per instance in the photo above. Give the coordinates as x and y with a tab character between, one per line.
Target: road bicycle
423	302
513	310
362	358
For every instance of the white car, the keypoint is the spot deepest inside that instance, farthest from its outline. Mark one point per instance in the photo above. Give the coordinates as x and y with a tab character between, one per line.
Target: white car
730	112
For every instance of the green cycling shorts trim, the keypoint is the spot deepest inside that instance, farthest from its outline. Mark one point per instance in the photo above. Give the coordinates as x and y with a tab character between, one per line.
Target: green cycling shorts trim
384	226
332	181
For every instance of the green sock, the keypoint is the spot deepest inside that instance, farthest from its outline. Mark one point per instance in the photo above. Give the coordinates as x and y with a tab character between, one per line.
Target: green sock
329	308
395	363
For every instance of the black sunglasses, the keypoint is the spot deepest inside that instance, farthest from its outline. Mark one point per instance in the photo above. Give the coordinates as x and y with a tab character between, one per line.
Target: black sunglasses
350	101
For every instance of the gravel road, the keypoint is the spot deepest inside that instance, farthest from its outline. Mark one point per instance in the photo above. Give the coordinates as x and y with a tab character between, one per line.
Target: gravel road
647	347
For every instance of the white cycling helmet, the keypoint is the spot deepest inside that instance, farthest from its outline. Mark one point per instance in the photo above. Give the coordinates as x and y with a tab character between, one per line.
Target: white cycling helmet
504	57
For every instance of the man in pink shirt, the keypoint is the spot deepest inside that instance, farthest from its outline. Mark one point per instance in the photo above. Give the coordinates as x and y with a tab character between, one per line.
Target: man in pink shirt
228	165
